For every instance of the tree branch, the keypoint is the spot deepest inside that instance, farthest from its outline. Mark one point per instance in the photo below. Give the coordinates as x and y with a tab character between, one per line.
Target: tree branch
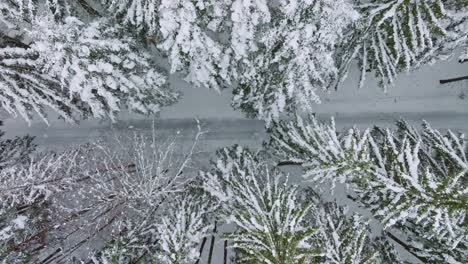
454	79
201	250
408	248
288	163
86	6
13	41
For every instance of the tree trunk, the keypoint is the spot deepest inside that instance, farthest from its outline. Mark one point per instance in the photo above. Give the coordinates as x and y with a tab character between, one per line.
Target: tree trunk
210	256
225	251
201	250
454	80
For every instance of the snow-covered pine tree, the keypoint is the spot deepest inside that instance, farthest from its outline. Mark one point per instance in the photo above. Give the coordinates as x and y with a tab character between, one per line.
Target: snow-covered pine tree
396	36
24	88
276	54
270	221
51	59
277	222
413	181
182	228
177	29
293	57
99	68
345	237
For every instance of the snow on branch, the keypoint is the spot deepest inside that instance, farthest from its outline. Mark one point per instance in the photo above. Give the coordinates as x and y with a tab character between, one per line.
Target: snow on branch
269	219
75	68
27	190
407	177
99	67
345	237
15	151
278	221
399	36
295	58
134	194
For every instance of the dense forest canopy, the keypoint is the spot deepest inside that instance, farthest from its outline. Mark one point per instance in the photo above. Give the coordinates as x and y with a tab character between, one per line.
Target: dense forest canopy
142	198
89	58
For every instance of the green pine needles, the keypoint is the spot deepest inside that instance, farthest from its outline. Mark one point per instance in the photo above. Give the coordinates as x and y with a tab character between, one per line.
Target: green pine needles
270	220
413	181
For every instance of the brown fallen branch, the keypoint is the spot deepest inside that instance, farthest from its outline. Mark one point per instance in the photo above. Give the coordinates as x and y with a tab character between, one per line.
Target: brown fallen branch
86	6
453	80
408	248
288	163
69	251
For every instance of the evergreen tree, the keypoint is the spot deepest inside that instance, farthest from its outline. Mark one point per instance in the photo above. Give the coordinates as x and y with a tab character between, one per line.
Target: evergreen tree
396	36
271	224
414	182
178	234
277	222
75	68
177	29
279	55
345	237
294	58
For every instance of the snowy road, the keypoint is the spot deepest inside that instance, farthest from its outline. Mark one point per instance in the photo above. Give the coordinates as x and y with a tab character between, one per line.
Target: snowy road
220	132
